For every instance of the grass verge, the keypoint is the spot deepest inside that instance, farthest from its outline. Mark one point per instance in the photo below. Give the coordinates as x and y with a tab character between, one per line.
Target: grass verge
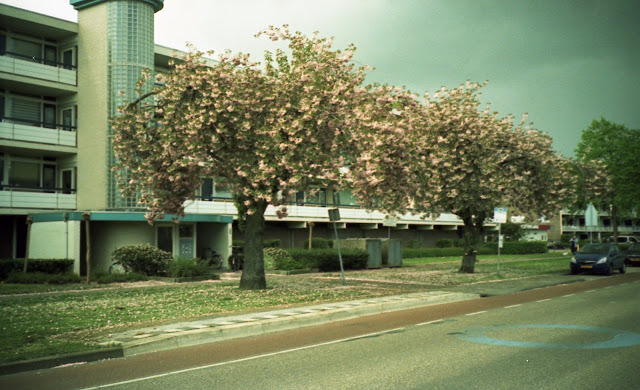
39	320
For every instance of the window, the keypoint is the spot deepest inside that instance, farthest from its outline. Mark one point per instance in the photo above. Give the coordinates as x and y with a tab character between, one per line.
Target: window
51	55
27	50
164	238
30	173
49	116
67	181
25	174
25	111
207	189
67	119
67	59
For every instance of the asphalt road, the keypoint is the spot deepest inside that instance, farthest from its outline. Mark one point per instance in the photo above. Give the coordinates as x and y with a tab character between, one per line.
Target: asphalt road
578	336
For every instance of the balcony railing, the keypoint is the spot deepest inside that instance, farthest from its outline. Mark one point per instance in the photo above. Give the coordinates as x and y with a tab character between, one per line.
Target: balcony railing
599	228
38	68
38	132
12	196
296	212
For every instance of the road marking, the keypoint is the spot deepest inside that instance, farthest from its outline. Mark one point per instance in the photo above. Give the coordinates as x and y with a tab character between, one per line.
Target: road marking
165	374
568	295
543	300
588	291
428	322
478	312
509	307
619	338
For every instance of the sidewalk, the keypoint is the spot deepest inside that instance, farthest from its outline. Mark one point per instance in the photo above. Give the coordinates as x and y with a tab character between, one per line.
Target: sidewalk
158	338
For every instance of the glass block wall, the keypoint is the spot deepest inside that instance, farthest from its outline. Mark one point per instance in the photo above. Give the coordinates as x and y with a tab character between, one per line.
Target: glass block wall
131	50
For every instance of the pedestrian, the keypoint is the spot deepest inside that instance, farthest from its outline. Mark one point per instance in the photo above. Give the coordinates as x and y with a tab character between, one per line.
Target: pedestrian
574	244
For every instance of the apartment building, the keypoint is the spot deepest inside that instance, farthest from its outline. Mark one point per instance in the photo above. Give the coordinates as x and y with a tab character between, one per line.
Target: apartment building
60	82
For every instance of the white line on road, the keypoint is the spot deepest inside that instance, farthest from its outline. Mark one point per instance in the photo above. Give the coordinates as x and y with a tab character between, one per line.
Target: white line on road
428	322
509	307
568	295
478	312
543	300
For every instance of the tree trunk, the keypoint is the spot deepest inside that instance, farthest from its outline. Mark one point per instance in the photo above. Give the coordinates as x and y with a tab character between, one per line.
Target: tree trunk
310	235
468	263
26	253
472	236
253	277
87	217
614	222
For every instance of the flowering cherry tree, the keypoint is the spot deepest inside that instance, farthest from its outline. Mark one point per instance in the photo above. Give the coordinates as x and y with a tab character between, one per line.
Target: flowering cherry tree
467	161
266	130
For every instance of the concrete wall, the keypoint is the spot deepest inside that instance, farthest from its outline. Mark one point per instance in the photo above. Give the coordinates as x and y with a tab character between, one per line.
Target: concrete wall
216	236
56	240
109	236
92	107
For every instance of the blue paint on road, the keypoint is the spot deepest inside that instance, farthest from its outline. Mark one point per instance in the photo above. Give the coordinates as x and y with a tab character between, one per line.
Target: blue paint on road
619	338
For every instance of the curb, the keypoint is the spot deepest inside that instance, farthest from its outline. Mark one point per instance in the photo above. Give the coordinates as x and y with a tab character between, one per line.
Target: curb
61	360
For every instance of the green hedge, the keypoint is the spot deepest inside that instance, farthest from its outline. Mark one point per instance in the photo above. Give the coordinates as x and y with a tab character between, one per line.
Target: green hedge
326	260
411	253
275	243
46	266
42	278
319	243
519	247
491	248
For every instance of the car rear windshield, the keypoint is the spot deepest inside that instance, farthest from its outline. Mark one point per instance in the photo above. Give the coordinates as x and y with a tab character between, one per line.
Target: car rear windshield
595	249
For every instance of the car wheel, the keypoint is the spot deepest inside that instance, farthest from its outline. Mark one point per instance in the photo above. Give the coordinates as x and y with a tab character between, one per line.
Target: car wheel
623	268
609	270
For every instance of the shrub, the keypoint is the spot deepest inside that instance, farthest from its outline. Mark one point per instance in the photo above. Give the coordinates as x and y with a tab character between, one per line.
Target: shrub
278	258
143	258
326	260
181	268
106	278
42	278
319	243
444	243
271	243
47	266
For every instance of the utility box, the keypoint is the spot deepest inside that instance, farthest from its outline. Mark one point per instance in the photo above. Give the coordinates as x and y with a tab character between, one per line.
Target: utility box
392	253
372	246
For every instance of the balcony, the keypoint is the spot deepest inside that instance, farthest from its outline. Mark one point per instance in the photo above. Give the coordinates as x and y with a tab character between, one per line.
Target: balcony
37	198
38	68
27	131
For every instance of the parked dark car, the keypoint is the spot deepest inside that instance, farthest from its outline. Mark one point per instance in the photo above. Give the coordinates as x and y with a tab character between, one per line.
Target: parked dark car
598	258
555	245
632	254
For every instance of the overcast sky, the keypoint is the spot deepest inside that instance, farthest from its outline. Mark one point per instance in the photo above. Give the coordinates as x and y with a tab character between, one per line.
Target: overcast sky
563	62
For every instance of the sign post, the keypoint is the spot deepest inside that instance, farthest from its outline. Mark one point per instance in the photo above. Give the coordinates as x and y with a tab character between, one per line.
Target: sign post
334	215
499	217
